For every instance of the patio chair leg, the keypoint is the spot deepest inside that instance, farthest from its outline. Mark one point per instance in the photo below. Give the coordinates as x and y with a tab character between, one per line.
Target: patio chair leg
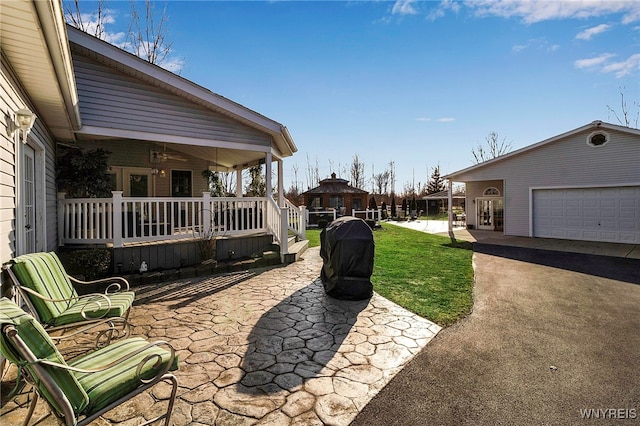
4	367
32	408
172	398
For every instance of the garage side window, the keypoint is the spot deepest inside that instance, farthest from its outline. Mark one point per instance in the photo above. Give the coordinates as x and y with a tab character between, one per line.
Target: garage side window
597	139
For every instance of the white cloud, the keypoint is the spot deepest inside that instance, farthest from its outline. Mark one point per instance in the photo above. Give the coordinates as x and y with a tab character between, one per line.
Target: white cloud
404	7
172	64
593	62
605	64
625	67
438	120
590	32
532	11
535	43
443	8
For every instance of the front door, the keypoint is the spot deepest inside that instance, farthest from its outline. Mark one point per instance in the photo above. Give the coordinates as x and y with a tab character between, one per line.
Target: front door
490	213
137	183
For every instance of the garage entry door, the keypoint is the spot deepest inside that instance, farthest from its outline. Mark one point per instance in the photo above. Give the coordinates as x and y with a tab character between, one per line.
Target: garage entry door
592	214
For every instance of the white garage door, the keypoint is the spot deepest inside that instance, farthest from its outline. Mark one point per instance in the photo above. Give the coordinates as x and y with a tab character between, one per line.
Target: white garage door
592	214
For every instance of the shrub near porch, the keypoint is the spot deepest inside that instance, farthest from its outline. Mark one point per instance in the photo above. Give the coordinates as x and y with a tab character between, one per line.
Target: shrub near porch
424	273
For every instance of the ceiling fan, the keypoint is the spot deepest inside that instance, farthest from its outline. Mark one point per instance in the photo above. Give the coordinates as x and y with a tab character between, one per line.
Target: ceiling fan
164	156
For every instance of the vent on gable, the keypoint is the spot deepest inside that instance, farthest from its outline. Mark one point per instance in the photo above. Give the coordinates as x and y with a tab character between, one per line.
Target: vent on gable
598	138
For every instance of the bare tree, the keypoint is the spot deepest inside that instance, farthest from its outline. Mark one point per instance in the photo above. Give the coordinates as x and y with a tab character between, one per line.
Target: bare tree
392	176
228	180
313	174
357	172
147	33
381	182
147	37
94	23
294	186
625	118
493	147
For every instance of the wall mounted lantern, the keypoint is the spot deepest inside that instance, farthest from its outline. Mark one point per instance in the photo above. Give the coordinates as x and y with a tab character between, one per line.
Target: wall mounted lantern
24	120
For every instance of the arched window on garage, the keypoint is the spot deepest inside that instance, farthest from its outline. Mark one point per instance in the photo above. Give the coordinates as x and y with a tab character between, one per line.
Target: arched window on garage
492	191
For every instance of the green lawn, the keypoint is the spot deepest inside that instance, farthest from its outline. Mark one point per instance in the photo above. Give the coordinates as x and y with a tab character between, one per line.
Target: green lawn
424	273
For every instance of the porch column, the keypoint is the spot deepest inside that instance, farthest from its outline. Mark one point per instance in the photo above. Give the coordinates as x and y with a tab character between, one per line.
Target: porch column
239	183
61	229
280	183
117	218
269	186
450	200
206	215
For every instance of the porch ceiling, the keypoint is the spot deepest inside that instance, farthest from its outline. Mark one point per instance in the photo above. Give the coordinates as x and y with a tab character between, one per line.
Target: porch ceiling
221	158
225	159
33	39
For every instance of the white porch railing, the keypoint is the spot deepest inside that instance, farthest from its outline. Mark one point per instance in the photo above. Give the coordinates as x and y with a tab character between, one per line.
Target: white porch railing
369	214
314	216
121	220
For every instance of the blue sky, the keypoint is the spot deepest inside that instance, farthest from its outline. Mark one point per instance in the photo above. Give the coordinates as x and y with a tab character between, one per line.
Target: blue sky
419	83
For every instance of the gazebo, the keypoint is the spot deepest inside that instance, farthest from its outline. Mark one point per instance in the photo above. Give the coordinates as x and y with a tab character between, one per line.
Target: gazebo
335	193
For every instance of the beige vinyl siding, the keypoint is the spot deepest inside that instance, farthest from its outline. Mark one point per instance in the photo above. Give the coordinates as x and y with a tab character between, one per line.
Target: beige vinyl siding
9	101
564	163
12	98
112	99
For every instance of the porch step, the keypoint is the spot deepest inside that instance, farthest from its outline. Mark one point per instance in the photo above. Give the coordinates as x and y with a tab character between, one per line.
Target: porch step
295	251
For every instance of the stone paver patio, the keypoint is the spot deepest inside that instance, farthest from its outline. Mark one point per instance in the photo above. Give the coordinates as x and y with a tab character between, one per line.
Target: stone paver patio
269	346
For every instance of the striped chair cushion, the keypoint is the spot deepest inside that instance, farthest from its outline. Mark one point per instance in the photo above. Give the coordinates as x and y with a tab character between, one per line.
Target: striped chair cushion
115	382
44	273
38	341
96	307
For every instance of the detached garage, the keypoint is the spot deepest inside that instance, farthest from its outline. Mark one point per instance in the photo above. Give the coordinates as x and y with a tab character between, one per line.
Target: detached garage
581	185
593	214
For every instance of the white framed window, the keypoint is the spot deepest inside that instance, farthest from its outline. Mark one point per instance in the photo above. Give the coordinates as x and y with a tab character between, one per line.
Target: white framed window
492	191
597	139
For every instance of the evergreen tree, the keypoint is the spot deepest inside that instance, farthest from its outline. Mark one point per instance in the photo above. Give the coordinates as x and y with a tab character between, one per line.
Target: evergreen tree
84	173
372	204
436	183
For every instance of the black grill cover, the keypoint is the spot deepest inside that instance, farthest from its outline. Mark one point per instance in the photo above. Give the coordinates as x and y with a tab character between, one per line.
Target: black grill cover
347	250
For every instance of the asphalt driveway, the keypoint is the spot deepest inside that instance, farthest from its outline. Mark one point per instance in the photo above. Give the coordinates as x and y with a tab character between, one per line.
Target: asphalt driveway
553	337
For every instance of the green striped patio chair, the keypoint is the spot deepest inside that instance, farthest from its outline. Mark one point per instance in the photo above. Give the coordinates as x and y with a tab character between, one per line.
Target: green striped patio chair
49	294
81	390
